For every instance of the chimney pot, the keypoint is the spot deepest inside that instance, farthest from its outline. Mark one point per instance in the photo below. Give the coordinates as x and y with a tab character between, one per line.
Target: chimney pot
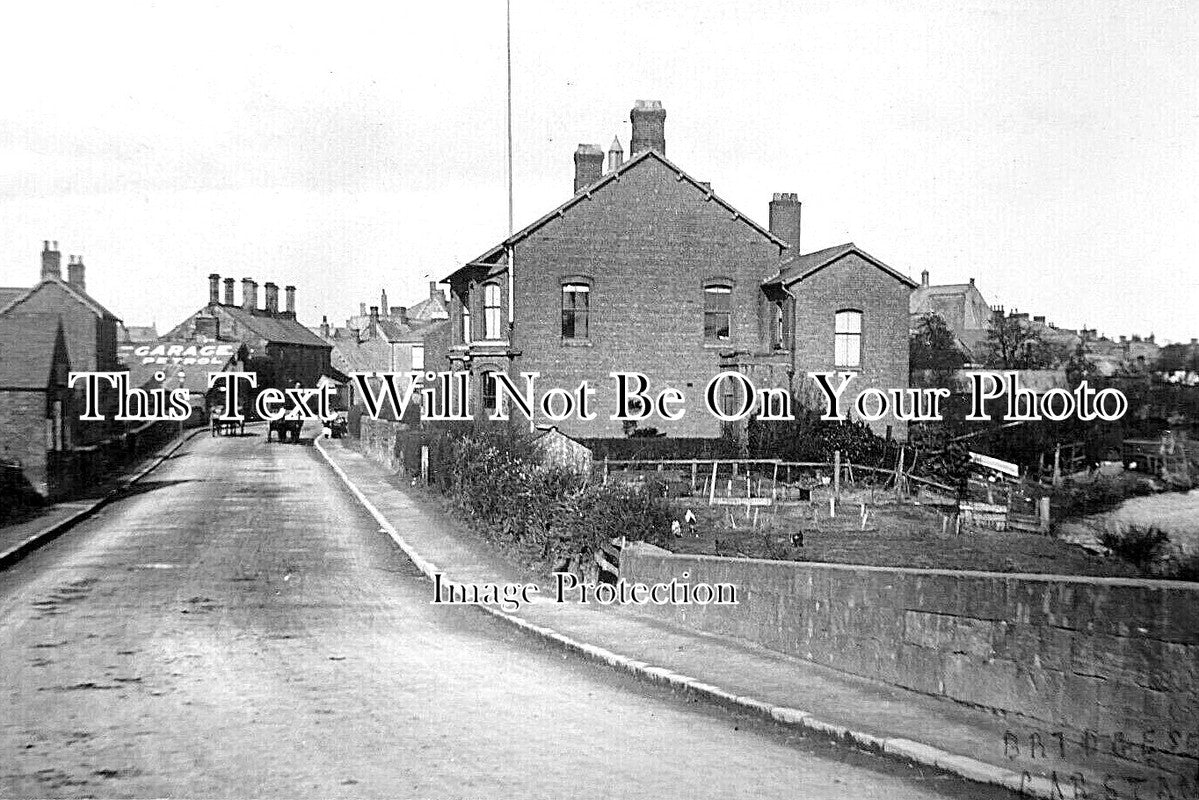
434	292
249	294
649	128
589	166
615	154
272	298
924	277
214	289
229	284
785	218
51	262
75	273
289	295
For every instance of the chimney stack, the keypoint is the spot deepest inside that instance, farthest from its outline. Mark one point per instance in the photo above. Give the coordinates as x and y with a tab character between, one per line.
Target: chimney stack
924	277
289	299
75	273
615	154
249	294
399	314
324	326
51	261
272	298
649	128
229	284
434	292
362	309
214	289
784	218
589	165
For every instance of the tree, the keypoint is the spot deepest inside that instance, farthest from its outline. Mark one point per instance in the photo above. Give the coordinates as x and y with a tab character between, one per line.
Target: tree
1012	343
1079	368
933	346
1178	358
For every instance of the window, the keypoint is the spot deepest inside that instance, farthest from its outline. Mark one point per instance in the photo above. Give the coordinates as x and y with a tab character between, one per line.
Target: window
779	327
489	392
718	304
491	311
575	304
847	339
418	356
465	319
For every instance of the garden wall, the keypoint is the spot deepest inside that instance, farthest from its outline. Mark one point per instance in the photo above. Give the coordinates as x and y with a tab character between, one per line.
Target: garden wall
1105	661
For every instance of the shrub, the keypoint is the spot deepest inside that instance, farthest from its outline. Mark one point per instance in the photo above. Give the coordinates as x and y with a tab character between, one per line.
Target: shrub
1140	545
547	514
1186	568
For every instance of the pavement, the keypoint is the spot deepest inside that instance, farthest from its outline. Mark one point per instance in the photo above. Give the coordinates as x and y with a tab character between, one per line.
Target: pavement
972	743
237	625
20	538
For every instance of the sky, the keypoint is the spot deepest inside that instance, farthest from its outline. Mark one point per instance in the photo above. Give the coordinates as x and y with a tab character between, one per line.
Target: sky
1048	150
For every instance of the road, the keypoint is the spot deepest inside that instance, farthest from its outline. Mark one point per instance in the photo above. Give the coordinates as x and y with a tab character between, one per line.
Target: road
239	627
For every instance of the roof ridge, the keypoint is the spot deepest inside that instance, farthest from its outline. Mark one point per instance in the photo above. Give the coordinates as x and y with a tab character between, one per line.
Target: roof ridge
585	193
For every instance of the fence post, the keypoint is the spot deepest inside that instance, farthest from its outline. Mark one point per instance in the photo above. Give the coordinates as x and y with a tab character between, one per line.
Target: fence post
1057	465
1043	513
424	464
837	474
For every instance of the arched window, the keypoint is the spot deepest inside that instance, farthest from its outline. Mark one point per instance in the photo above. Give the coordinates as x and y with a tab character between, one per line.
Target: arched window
489	392
465	332
491	311
576	305
718	312
847	339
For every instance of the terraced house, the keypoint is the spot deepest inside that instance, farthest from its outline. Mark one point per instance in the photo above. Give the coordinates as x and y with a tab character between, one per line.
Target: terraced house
645	268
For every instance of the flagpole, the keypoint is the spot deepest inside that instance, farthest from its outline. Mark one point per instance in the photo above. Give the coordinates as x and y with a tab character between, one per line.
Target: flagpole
511	223
508	20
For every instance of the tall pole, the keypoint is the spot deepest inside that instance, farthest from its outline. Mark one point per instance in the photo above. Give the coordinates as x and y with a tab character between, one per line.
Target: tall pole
511	223
508	21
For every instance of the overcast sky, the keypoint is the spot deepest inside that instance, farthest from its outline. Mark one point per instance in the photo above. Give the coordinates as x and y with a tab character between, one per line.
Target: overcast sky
1048	149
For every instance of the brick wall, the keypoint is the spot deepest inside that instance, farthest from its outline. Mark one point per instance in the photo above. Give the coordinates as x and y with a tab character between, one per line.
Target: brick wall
1104	660
23	435
853	283
646	244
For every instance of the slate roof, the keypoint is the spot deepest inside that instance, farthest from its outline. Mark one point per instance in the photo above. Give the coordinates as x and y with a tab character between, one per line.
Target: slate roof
138	333
27	348
80	295
798	267
10	293
607	180
429	309
274	329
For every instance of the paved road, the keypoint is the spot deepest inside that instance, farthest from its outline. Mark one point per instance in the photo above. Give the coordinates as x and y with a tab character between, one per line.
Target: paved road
240	628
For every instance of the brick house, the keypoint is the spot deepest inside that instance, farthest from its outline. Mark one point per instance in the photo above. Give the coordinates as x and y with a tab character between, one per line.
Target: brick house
89	329
962	307
38	422
275	345
646	269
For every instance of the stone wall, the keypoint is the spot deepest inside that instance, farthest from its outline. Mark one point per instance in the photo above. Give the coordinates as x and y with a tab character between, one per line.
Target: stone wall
1109	662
